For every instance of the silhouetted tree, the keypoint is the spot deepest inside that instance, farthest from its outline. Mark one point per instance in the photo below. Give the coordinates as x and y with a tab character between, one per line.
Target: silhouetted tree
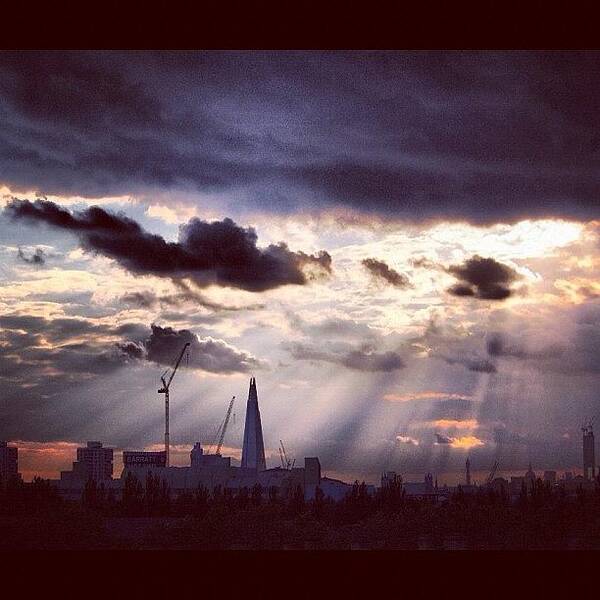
318	503
273	494
202	499
133	495
296	502
256	496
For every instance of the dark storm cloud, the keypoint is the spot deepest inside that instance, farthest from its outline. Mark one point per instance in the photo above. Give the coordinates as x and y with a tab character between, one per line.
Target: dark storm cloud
383	271
498	345
37	258
148	299
485	137
220	252
359	360
208	354
44	354
442	439
373	361
55	330
477	365
483	278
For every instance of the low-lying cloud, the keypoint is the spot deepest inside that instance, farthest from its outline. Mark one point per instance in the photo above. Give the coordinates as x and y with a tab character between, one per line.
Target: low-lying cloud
207	354
364	359
483	278
216	253
381	271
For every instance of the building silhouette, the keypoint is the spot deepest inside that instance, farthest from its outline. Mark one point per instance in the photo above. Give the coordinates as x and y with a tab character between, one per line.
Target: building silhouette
200	459
9	462
589	455
253	450
93	462
134	459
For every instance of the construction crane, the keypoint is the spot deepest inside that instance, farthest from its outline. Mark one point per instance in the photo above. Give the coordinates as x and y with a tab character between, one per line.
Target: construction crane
223	427
492	474
165	390
286	463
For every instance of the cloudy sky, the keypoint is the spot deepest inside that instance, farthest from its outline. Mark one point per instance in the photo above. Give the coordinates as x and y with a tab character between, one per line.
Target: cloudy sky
397	245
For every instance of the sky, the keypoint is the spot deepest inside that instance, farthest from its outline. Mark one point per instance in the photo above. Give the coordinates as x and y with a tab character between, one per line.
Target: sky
402	247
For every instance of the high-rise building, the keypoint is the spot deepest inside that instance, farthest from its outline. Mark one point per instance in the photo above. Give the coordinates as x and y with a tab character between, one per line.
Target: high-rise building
589	455
93	462
253	450
9	467
468	471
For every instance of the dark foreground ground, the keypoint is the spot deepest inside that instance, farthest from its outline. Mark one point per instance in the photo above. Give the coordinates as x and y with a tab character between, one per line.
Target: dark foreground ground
34	517
305	574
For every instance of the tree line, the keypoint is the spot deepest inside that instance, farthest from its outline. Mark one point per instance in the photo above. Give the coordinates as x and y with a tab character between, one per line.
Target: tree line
35	515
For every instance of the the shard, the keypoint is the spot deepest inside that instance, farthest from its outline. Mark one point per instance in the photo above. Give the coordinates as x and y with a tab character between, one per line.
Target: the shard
253	450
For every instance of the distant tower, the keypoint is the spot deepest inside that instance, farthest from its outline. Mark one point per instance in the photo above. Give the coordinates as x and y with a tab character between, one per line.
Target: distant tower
253	450
589	456
8	462
530	477
468	468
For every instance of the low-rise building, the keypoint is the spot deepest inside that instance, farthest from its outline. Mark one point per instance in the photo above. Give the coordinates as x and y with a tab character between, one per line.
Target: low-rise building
213	471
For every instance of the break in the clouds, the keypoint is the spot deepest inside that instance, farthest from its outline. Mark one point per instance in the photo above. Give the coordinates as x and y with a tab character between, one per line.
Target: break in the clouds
383	272
483	278
487	137
455	180
220	253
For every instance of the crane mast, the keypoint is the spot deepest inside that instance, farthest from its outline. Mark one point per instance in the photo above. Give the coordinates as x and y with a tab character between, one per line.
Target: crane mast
165	390
224	428
492	474
286	462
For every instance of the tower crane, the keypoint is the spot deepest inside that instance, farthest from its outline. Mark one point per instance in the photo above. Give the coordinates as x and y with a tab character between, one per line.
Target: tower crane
285	461
492	474
224	426
166	384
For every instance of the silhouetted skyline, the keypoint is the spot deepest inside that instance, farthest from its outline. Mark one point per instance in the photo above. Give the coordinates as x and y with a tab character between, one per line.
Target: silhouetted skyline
403	248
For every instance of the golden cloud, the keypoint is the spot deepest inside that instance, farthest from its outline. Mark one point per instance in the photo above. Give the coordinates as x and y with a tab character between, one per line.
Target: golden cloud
456	423
466	442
